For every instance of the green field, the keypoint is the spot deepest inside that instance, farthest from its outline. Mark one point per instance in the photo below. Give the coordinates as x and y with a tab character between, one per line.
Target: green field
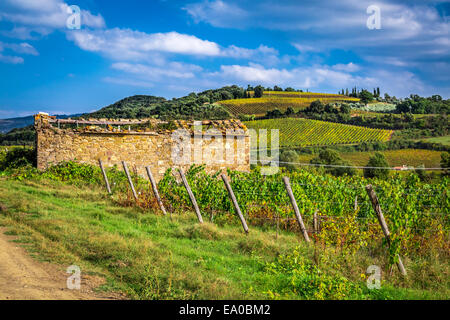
305	132
445	140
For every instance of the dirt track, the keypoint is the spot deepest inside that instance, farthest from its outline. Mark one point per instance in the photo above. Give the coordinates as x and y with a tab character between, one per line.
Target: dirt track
24	278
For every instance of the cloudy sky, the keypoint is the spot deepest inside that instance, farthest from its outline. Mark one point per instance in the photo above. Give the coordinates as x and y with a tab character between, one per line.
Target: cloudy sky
171	48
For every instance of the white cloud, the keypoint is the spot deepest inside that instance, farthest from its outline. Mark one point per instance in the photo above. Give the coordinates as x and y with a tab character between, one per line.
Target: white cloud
128	82
263	54
394	61
21	48
349	67
255	73
11	59
128	44
305	48
32	5
412	28
42	17
238	52
171	70
24	33
217	13
317	76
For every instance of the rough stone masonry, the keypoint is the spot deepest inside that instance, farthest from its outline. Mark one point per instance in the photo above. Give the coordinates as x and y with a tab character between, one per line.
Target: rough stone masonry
218	144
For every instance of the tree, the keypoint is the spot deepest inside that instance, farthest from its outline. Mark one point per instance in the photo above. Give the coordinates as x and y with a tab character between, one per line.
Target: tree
365	96
289	156
259	90
277	88
315	107
345	108
275	113
289	111
421	173
331	157
378	160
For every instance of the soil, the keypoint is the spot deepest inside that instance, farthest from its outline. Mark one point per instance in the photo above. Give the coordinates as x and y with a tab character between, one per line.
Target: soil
25	278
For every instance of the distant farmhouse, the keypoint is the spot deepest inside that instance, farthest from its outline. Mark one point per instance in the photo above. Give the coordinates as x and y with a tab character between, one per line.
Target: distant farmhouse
219	144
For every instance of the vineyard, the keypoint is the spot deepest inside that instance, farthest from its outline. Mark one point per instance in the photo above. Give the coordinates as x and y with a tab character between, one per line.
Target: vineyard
417	213
338	216
279	100
305	132
409	157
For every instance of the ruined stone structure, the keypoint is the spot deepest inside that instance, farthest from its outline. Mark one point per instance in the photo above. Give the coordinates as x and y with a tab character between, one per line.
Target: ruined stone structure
148	142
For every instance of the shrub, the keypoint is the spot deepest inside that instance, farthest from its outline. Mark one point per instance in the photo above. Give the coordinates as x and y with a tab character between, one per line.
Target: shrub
18	157
378	160
331	157
365	96
298	277
258	91
289	156
445	162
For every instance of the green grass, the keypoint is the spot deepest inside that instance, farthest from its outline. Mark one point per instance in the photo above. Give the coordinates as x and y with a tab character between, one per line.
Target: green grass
445	140
148	256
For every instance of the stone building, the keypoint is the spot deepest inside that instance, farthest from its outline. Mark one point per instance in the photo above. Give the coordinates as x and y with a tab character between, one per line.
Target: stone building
161	145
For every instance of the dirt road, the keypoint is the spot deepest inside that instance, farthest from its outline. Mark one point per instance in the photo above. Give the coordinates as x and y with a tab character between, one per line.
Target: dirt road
24	278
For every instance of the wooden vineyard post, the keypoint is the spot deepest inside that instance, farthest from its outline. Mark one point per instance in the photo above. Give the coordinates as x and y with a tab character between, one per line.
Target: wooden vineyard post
315	222
376	207
125	168
294	205
356	203
235	203
155	190
108	188
191	196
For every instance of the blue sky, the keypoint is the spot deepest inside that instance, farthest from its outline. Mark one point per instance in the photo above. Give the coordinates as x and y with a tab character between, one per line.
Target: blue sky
171	48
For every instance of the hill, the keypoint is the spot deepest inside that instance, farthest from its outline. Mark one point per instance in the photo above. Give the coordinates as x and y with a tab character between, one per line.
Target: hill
223	103
198	106
7	125
20	131
280	100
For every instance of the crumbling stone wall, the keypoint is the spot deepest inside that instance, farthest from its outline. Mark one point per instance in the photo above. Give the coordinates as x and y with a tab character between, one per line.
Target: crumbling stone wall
140	148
